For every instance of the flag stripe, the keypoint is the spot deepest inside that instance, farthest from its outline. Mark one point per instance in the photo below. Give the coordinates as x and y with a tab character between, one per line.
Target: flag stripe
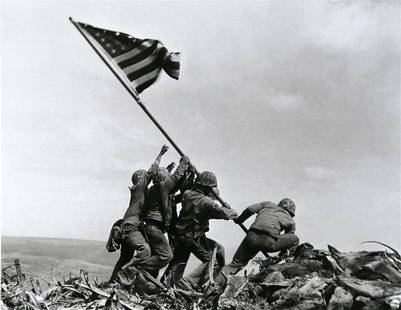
140	61
137	74
139	65
147	77
145	85
174	65
140	56
144	45
172	73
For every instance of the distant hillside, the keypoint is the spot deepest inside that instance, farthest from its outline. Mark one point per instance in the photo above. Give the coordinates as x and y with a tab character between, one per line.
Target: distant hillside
55	258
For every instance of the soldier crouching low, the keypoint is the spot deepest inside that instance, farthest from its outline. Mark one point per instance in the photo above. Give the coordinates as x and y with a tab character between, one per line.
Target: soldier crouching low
264	234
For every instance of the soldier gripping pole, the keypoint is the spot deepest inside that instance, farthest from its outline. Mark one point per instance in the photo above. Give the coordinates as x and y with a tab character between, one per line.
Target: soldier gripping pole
131	90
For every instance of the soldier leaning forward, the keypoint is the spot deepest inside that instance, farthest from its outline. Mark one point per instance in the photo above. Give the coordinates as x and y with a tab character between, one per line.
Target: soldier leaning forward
157	215
126	232
193	222
265	233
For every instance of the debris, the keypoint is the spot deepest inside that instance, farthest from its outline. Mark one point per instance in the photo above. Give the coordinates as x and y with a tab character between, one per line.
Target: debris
369	265
372	289
394	302
309	279
340	300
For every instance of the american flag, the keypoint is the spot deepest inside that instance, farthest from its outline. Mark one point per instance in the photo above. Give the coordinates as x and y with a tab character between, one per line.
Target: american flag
141	60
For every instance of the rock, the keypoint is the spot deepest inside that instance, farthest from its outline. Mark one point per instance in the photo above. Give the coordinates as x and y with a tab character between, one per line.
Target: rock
291	298
288	269
394	302
234	284
311	264
366	303
313	288
378	265
380	269
341	300
360	302
273	282
274	277
302	250
372	289
278	294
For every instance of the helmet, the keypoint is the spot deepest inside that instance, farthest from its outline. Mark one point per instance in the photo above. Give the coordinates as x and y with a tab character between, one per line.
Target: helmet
207	178
288	205
161	175
138	175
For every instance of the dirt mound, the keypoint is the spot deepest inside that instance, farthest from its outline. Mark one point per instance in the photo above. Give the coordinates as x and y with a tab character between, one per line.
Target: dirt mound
308	279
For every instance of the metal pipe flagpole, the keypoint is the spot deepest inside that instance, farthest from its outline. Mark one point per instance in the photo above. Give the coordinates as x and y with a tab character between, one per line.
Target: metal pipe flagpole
131	90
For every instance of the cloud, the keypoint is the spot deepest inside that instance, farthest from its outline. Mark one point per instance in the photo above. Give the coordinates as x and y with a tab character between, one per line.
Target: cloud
285	102
320	173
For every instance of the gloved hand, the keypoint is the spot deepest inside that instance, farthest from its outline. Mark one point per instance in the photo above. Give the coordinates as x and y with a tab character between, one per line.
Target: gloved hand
164	149
170	167
237	220
226	205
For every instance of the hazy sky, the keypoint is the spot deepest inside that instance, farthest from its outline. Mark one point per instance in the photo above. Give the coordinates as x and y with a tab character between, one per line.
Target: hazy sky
295	99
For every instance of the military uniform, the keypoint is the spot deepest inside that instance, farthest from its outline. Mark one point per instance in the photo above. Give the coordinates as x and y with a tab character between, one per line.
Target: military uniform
264	233
157	215
132	239
192	224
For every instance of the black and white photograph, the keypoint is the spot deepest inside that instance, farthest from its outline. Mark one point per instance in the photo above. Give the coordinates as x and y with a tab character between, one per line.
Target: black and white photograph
225	155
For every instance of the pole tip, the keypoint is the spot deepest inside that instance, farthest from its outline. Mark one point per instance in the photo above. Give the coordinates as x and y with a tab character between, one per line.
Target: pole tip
70	18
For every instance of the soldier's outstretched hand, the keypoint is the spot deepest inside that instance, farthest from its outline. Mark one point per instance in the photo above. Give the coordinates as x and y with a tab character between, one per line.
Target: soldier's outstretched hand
171	166
164	149
232	214
226	205
237	220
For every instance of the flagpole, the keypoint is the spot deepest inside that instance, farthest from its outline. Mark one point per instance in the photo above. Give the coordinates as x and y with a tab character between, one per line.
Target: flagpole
134	94
127	86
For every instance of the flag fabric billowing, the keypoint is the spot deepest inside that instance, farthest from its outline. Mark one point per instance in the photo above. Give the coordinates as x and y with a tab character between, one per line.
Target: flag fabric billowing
141	60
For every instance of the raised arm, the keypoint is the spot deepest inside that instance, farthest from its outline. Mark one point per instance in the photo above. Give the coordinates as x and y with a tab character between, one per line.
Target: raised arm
182	167
144	177
155	166
173	180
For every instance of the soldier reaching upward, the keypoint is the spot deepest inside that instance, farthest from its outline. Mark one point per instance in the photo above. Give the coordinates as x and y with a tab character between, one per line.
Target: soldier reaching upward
131	236
157	215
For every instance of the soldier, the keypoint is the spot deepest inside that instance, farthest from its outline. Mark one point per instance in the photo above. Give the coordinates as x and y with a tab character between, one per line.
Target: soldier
157	215
131	238
192	224
264	234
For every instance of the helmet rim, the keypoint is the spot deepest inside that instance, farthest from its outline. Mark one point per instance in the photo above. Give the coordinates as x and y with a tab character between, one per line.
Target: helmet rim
207	178
288	205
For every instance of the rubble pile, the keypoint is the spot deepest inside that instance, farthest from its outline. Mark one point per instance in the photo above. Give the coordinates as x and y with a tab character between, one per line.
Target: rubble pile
307	279
82	292
317	279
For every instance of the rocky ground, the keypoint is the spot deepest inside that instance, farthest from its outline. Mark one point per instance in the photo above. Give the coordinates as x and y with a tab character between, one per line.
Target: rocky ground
305	280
